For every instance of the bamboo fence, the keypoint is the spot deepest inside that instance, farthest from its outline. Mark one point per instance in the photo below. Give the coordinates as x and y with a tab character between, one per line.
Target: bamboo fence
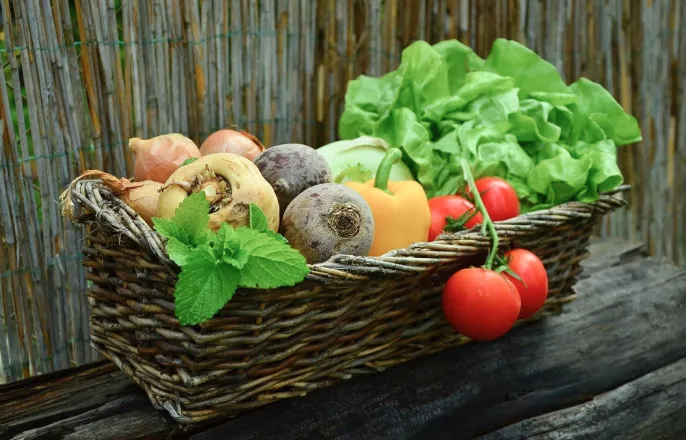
82	77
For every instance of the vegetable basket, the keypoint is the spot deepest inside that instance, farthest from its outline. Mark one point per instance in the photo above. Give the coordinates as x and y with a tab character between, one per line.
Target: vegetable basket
350	316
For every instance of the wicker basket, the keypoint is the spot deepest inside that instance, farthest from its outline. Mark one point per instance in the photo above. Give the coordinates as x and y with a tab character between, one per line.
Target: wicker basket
352	315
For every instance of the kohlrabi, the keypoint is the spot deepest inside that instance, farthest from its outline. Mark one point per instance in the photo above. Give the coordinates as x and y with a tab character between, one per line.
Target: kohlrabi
357	160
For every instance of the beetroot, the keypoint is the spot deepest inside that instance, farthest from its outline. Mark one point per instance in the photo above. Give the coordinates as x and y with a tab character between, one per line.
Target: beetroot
292	168
328	219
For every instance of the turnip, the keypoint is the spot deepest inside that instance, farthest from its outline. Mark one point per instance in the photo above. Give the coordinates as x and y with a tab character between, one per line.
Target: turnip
230	183
328	219
292	168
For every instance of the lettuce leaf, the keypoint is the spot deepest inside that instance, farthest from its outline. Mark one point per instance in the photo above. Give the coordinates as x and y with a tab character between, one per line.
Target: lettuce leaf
510	115
531	73
600	117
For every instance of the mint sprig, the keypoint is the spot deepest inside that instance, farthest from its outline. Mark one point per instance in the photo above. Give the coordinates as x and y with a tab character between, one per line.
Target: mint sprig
214	265
259	222
204	286
189	224
271	263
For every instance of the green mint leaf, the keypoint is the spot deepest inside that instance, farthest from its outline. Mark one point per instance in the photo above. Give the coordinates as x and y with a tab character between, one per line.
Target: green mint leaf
170	229
227	247
189	224
204	286
271	262
258	220
225	240
276	235
178	251
238	261
188	161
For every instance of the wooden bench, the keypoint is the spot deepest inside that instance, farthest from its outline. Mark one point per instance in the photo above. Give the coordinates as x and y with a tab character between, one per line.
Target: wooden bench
612	366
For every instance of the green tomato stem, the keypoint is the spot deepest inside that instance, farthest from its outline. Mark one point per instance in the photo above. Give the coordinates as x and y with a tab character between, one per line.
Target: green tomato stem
383	172
487	223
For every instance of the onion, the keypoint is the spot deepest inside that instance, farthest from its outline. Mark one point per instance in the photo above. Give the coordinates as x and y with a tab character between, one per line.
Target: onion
158	157
241	143
143	199
140	196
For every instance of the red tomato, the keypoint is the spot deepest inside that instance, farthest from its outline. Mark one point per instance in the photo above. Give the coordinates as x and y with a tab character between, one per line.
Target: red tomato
450	206
531	270
499	197
481	304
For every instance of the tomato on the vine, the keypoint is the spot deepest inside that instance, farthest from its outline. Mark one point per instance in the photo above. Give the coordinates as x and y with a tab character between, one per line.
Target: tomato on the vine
480	303
498	196
534	291
446	210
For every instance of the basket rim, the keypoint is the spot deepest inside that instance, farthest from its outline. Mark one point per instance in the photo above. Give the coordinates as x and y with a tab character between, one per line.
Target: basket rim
418	257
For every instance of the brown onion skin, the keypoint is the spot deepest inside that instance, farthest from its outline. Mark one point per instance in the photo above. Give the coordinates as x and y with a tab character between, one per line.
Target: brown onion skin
232	141
142	198
158	157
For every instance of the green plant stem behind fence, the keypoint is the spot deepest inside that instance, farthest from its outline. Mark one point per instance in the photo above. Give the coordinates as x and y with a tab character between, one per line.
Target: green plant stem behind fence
81	78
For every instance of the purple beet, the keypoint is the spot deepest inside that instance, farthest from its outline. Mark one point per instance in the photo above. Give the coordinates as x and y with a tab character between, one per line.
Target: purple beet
292	168
328	219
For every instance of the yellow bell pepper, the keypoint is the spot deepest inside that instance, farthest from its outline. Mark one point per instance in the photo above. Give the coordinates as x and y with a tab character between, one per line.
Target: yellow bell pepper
400	208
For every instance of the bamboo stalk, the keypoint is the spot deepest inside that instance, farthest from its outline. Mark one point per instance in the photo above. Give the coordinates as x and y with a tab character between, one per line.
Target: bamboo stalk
52	172
220	64
251	72
680	135
133	62
10	345
309	11
284	92
209	72
294	86
236	69
267	65
40	254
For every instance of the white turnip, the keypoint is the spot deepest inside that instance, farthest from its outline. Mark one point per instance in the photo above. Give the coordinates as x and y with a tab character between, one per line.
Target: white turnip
230	183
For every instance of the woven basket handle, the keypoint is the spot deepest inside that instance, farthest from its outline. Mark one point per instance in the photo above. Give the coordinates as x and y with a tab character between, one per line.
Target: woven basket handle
110	210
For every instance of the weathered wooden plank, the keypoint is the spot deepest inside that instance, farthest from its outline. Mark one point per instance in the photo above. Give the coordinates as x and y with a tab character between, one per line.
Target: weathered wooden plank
609	252
95	401
599	344
537	368
651	407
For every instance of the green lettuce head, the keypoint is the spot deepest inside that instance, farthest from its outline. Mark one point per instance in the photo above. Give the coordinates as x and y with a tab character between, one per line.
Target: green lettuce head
510	115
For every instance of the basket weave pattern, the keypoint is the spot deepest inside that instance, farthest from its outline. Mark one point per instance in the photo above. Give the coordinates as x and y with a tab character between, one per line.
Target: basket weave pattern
352	315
